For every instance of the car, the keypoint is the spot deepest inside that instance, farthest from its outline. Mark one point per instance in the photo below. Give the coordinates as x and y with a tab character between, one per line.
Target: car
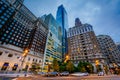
65	73
80	74
86	74
101	74
42	73
52	74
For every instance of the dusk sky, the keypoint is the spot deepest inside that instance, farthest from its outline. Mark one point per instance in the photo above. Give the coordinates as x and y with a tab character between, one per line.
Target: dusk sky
103	15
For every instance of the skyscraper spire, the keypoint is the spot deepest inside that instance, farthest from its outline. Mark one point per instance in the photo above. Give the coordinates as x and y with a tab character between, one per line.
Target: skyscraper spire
78	22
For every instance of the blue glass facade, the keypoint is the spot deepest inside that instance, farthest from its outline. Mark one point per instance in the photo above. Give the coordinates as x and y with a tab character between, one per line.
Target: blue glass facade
62	19
54	41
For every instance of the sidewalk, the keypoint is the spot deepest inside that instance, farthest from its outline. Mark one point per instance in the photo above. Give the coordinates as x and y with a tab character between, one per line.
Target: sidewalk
104	75
15	75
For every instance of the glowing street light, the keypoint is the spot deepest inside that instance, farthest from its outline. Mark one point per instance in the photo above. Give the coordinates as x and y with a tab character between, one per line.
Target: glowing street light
66	58
25	53
97	62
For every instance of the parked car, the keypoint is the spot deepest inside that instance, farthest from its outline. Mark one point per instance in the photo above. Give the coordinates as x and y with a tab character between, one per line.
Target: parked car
65	73
52	74
86	74
80	74
42	73
101	74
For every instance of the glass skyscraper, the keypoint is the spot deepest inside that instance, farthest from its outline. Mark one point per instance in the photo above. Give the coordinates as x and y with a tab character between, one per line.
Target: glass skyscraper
62	19
53	48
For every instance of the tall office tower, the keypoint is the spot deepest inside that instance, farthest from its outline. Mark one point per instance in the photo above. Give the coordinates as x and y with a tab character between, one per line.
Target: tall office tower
83	45
54	42
62	19
118	45
20	30
110	50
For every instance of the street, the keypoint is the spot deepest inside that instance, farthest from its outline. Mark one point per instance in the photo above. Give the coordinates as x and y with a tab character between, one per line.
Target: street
91	77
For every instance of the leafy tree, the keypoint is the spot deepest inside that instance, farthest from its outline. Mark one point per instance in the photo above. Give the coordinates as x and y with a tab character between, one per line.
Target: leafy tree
106	69
35	67
85	67
55	65
88	66
75	69
70	66
81	67
62	67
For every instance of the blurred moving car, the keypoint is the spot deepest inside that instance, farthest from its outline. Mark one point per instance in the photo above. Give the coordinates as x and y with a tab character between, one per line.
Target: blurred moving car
80	74
100	73
65	73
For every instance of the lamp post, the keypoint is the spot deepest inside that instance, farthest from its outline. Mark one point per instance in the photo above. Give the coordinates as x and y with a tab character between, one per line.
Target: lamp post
25	53
97	63
66	58
49	65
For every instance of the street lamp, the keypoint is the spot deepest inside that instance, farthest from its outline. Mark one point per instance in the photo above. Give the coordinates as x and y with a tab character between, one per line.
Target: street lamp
97	63
25	53
66	58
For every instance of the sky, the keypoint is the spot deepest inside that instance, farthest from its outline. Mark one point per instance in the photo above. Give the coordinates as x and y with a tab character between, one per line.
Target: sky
103	15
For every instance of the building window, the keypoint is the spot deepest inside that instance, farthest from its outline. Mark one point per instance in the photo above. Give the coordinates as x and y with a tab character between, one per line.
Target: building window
33	59
36	60
10	55
0	25
5	35
39	61
1	53
18	57
29	59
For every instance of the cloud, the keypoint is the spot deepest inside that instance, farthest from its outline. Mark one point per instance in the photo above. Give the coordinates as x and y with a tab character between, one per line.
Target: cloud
104	15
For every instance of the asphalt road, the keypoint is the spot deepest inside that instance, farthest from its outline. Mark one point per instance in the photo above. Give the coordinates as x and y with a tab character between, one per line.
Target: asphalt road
5	78
108	77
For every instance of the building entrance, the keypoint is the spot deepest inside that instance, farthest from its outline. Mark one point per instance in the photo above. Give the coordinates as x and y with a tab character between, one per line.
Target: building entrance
15	67
5	66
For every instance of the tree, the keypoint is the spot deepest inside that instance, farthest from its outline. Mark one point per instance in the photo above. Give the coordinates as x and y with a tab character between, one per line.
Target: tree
88	66
55	65
85	67
62	66
106	69
81	67
70	66
75	69
35	67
